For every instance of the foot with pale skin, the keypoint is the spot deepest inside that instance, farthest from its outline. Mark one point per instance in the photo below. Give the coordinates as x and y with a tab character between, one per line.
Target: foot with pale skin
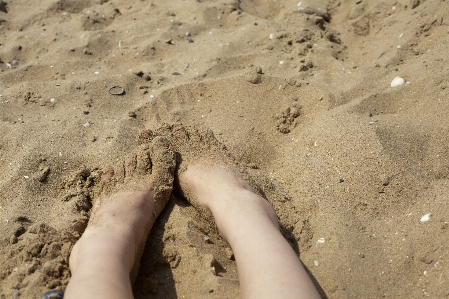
131	195
134	192
209	179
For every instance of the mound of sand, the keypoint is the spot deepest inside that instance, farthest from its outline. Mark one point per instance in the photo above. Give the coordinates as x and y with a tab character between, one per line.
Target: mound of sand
298	92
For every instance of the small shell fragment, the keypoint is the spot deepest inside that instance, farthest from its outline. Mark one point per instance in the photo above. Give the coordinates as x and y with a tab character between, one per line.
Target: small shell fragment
398	81
425	218
320	240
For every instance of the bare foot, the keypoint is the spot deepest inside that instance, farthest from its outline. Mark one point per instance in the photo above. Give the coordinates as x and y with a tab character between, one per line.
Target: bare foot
195	145
130	196
221	190
207	175
212	181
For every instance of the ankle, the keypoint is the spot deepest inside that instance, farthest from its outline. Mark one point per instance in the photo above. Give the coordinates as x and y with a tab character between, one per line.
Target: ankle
96	242
211	184
241	210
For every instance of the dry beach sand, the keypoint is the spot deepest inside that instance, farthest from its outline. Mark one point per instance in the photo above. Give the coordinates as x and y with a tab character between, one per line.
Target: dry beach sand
300	95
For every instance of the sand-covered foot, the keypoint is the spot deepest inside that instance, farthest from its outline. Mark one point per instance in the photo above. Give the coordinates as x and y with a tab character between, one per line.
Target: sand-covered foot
150	167
195	146
129	197
204	166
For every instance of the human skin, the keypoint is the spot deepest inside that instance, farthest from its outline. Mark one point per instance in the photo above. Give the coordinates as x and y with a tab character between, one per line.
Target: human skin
268	267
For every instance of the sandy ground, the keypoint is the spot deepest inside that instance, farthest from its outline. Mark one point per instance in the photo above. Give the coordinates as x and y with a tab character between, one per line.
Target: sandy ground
299	92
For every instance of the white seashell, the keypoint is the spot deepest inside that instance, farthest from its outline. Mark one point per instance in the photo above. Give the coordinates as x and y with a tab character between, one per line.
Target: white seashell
320	240
87	124
425	218
25	176
315	263
271	35
398	81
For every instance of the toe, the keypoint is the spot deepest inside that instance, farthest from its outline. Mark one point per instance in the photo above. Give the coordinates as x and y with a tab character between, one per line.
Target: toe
181	133
145	136
163	160
130	164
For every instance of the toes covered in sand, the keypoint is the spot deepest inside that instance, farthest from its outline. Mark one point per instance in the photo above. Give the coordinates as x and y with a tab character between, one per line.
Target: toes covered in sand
149	167
163	168
192	144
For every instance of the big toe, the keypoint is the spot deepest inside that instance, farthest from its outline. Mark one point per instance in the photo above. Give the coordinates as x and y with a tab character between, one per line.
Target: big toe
163	164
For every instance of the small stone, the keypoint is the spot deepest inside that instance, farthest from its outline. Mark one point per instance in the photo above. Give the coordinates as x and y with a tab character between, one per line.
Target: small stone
303	68
425	218
397	81
42	175
254	78
229	254
13	240
211	263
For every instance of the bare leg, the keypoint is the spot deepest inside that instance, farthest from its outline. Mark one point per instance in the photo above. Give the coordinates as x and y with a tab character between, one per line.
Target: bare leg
132	197
267	265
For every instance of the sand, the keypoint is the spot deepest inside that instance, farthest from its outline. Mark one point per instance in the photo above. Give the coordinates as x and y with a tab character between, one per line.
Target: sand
298	92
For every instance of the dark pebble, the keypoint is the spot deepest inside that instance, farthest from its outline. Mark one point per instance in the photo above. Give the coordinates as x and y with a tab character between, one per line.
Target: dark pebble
53	294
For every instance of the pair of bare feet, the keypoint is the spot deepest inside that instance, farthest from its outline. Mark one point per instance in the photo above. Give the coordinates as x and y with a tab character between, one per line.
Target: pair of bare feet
132	194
